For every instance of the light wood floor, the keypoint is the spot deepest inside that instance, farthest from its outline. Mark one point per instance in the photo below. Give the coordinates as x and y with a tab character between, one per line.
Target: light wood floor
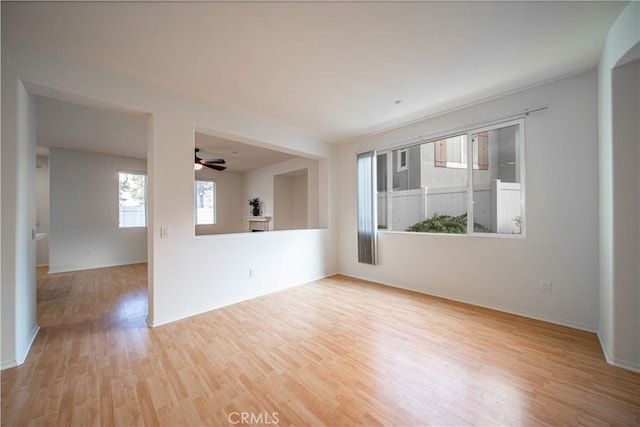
334	352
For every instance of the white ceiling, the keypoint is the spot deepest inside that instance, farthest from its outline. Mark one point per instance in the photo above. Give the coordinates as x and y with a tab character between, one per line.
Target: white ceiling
239	157
71	126
61	124
330	69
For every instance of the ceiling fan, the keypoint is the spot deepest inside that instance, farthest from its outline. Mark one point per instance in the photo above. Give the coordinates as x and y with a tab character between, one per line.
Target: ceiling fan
213	163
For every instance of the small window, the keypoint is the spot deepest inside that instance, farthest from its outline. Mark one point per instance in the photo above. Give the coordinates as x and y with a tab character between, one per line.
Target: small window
402	160
132	195
452	153
205	202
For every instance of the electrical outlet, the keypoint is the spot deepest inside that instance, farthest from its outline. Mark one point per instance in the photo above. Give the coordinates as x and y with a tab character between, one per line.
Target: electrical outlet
546	286
252	272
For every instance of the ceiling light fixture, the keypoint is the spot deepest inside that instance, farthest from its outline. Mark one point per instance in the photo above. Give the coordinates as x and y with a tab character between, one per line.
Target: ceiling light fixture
197	166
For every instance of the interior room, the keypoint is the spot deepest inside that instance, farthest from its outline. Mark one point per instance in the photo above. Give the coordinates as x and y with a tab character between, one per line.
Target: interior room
320	213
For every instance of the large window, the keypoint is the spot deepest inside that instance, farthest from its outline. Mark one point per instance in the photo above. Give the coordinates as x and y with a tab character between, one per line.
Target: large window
469	182
205	202
132	195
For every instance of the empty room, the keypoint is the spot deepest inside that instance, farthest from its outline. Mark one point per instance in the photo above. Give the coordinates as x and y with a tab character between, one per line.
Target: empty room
320	213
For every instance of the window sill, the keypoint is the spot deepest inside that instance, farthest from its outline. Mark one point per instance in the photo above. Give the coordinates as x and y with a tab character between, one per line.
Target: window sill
481	235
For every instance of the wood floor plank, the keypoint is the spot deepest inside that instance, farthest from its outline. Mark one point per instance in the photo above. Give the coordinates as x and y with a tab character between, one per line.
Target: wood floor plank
338	351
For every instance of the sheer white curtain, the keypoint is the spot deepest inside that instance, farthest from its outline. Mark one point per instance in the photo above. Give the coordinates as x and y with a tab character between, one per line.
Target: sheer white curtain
367	207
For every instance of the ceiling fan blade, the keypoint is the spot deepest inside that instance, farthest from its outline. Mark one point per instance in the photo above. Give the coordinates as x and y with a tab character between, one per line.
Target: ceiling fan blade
215	167
214	161
212	164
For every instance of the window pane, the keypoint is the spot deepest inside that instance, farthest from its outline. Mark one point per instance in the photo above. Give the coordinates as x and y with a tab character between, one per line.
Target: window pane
205	202
497	206
457	149
429	198
132	192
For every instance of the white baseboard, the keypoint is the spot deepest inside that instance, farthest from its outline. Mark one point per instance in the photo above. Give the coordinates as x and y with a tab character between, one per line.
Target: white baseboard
22	357
72	268
6	364
548	319
180	316
624	364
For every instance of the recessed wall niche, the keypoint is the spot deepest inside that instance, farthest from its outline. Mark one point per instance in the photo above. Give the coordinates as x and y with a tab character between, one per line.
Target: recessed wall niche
290	200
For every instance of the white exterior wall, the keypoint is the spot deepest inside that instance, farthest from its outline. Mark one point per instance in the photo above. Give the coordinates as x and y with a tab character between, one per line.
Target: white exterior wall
561	244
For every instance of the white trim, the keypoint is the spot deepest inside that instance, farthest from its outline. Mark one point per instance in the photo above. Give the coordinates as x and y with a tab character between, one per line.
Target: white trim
34	334
6	364
521	313
454	165
62	269
460	235
185	315
624	364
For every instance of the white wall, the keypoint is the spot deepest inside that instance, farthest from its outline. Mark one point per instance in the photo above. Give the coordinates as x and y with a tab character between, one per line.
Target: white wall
290	201
229	202
19	315
84	229
561	244
300	202
282	202
42	210
626	216
618	180
176	285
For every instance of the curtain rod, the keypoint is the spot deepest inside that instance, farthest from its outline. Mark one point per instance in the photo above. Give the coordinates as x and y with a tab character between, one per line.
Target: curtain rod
422	138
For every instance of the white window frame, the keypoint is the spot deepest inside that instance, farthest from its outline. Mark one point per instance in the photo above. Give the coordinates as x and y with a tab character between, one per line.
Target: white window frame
146	198
520	156
195	202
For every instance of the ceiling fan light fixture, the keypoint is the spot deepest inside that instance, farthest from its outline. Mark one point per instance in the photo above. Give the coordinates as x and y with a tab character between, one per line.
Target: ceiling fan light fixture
215	164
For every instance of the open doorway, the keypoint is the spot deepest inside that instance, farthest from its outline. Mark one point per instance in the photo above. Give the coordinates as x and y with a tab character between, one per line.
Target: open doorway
83	152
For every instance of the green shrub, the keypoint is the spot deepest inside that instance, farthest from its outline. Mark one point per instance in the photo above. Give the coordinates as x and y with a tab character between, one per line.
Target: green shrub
444	224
